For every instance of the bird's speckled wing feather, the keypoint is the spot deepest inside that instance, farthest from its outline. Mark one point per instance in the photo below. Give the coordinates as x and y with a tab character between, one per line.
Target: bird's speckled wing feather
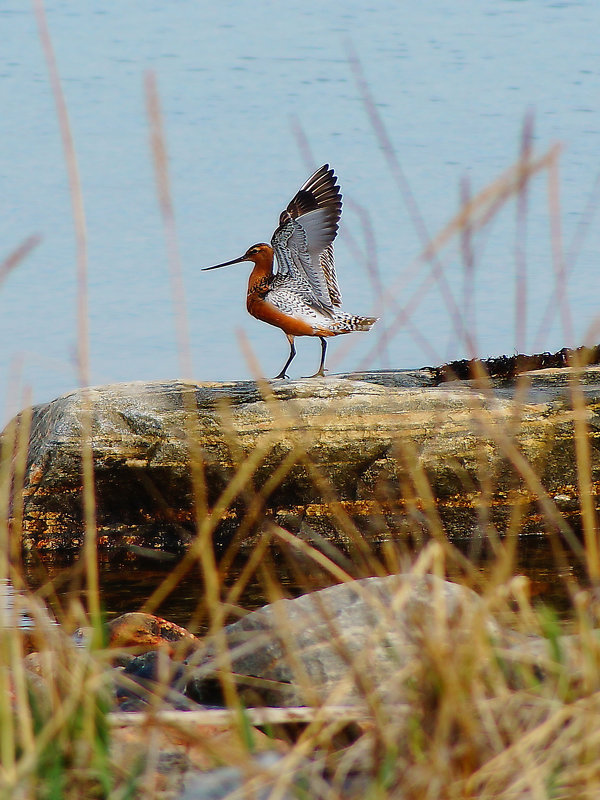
328	267
303	242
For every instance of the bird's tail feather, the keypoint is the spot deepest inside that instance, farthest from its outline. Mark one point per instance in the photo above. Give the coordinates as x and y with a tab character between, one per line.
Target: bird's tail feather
363	323
347	323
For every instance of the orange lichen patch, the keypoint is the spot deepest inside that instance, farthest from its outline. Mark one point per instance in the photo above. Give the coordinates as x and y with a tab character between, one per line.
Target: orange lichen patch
147	632
359	507
52	543
35	476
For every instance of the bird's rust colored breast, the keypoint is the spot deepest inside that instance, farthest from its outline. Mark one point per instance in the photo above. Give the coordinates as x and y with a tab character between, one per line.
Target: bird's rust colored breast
265	311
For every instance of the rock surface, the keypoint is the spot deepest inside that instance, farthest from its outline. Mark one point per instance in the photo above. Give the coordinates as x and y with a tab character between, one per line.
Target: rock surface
368	435
140	632
173	758
266	776
343	643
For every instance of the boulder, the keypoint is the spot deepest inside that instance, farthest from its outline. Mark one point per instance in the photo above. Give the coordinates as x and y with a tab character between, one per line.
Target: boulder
138	632
341	644
369	437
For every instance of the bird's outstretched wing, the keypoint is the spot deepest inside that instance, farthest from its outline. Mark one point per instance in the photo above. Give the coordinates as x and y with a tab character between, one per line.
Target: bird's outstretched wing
303	242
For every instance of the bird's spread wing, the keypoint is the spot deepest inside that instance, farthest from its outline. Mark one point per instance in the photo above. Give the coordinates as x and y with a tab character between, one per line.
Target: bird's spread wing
303	242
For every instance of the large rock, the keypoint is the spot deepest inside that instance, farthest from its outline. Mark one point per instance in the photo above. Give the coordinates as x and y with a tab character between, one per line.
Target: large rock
369	437
342	644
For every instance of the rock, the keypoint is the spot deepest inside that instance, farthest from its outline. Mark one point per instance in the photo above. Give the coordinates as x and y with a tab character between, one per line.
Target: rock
220	783
148	676
169	755
140	632
341	643
260	775
365	433
151	650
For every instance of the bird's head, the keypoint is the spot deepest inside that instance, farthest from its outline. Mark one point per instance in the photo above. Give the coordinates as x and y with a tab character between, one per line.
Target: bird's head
253	253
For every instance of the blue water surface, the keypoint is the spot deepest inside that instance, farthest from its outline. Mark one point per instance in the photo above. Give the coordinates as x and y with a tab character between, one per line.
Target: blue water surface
452	84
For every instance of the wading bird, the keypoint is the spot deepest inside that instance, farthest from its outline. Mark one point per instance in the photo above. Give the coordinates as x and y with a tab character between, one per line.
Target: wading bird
302	297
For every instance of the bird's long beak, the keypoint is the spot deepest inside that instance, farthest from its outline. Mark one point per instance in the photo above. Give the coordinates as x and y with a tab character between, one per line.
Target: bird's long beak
226	263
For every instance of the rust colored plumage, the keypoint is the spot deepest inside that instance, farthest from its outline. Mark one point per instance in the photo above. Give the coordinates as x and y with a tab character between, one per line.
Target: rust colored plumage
302	297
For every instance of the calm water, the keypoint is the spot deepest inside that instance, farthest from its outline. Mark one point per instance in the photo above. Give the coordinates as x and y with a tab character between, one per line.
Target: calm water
119	596
452	83
58	582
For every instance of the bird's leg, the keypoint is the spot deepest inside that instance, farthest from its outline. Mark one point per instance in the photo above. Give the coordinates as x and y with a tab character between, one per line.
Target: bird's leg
320	373
289	361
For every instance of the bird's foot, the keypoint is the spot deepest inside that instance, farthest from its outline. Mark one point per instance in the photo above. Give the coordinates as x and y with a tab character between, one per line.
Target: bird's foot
320	373
280	376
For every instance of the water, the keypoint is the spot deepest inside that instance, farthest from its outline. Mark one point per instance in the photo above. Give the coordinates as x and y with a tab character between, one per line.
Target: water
535	559
145	575
452	82
11	615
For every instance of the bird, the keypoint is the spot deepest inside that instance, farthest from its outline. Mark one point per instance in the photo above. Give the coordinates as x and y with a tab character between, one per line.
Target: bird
302	296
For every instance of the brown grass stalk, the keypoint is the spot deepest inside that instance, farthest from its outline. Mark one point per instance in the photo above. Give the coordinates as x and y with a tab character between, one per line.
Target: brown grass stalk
83	361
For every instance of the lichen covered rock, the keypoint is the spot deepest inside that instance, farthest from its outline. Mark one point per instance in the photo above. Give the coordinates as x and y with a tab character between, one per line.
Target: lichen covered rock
305	444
